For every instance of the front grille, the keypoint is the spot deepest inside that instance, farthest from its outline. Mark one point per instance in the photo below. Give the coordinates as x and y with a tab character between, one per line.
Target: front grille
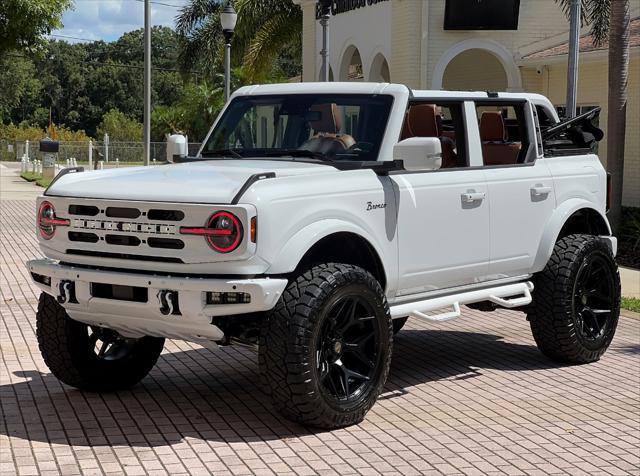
165	243
83	210
125	256
83	237
165	215
122	240
121	212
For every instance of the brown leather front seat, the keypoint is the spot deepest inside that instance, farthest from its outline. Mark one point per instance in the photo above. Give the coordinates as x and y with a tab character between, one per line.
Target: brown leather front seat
422	121
327	139
495	148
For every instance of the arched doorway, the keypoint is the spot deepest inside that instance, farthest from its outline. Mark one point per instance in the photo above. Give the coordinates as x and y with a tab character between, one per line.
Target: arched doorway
475	70
380	70
477	65
351	66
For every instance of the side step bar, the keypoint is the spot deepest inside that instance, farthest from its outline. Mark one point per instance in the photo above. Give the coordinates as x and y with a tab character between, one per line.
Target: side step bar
509	296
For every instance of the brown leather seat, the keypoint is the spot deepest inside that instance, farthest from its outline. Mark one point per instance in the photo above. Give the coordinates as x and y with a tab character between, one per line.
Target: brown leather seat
327	139
421	121
495	148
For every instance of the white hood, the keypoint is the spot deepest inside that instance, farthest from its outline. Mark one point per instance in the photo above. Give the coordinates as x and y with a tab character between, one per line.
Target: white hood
209	181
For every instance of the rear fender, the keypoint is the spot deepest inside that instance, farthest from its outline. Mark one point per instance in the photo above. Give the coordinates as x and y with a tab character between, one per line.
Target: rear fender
554	227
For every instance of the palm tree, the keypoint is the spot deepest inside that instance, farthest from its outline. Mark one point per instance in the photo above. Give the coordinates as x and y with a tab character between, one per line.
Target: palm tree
610	20
265	29
617	117
268	27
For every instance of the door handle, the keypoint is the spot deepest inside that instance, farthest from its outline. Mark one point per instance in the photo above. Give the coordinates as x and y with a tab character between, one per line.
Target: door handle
539	190
471	197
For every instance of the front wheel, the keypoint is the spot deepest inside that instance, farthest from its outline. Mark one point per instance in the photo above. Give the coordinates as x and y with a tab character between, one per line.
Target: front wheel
90	357
576	301
325	349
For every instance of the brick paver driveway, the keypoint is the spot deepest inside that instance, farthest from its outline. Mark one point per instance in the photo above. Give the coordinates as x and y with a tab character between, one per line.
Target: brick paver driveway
473	396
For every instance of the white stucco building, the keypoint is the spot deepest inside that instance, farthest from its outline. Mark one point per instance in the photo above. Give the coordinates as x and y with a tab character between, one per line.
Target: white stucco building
498	45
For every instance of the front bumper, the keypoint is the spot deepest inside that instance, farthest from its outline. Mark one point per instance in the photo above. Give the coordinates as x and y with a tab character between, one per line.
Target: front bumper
188	317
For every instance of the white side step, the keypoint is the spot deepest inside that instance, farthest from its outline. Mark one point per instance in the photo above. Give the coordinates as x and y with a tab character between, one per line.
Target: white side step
500	295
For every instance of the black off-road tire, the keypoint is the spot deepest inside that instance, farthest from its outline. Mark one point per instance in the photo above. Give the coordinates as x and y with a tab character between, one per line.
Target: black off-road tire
398	324
291	345
67	350
562	327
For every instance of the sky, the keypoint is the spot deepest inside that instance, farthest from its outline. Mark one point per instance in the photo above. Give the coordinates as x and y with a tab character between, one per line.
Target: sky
108	19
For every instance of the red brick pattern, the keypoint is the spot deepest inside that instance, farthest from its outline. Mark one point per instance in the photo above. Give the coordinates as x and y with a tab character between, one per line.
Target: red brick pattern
473	396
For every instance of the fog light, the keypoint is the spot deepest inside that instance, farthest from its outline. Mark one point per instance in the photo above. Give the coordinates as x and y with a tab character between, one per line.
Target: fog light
228	298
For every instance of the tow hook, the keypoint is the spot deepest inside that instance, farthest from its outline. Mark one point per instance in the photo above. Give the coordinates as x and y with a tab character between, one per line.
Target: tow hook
67	292
169	304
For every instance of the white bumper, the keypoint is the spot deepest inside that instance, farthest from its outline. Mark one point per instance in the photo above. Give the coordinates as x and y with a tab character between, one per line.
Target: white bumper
191	322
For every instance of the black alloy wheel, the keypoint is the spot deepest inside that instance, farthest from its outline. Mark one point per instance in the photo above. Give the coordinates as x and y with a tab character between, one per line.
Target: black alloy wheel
593	299
348	348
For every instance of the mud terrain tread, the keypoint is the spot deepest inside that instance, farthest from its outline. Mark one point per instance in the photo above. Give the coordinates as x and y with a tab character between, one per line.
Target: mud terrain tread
61	340
286	338
550	314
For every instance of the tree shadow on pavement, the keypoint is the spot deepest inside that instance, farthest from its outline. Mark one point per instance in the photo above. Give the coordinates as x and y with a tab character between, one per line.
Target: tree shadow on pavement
216	396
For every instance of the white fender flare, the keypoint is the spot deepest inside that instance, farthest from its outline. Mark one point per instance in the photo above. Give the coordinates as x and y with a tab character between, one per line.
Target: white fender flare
292	252
554	226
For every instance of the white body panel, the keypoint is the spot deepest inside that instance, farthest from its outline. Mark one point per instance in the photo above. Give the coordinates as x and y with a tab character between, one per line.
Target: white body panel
436	232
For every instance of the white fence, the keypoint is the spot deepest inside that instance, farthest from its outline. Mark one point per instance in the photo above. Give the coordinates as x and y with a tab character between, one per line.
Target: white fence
112	151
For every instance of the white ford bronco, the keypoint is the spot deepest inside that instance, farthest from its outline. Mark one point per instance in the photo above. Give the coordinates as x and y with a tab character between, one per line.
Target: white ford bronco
315	219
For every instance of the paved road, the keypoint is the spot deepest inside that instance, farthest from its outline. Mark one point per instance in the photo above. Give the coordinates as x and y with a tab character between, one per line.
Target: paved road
12	187
472	396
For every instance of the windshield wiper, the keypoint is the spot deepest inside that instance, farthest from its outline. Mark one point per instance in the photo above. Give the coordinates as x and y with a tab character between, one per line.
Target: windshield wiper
296	153
223	153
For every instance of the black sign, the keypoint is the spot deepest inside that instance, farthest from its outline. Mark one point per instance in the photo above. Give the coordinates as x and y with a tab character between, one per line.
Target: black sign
481	14
342	6
49	145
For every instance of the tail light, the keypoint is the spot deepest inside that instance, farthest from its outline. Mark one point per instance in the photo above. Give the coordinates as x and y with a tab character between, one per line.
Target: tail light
47	220
223	232
609	191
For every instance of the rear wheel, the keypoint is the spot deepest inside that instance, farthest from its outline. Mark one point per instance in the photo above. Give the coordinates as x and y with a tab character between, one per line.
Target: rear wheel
91	357
576	301
325	349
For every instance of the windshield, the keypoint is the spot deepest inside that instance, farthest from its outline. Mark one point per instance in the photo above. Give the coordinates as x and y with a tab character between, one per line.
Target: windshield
323	126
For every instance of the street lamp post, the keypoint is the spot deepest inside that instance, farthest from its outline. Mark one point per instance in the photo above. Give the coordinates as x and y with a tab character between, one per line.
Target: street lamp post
325	11
147	84
228	19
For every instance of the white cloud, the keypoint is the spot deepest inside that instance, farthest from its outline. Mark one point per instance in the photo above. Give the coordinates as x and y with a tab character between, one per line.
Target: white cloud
109	19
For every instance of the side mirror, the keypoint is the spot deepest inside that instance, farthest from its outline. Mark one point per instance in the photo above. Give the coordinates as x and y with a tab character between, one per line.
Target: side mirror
419	153
176	146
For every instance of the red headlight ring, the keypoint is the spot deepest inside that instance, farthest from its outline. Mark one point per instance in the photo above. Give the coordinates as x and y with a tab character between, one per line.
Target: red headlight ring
211	232
47	224
237	227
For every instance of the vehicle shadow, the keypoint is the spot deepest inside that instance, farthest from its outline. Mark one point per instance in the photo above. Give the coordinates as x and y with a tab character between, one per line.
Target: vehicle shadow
216	396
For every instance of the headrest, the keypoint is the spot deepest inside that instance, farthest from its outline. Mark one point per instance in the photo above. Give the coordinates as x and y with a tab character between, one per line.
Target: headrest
330	120
422	120
492	127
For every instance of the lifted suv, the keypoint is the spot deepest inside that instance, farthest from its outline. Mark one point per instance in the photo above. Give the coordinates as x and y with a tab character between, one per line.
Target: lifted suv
314	221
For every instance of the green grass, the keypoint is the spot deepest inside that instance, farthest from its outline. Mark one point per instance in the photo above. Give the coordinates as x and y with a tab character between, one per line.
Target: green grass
31	177
631	304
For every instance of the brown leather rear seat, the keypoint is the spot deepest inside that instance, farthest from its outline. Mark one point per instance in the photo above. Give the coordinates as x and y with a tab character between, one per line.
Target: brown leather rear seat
495	148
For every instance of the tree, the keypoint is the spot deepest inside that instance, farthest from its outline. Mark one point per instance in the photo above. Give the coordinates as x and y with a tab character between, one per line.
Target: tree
267	41
120	127
617	116
24	23
610	21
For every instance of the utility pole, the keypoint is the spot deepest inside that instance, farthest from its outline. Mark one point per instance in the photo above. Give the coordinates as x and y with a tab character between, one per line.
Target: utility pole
325	13
147	83
574	52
